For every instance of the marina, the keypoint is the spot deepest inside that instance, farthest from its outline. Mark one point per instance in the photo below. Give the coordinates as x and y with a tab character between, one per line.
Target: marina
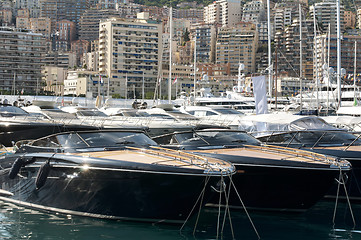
209	178
180	121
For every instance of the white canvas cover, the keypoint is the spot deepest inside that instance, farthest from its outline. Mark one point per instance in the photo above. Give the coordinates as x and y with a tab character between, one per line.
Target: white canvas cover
259	91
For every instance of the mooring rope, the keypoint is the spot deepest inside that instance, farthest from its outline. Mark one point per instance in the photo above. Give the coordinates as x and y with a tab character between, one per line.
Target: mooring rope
199	197
245	209
336	202
341	181
228	210
219	206
348	200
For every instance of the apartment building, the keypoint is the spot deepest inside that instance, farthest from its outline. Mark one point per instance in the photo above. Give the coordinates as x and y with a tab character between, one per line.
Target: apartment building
80	48
184	54
130	50
237	45
60	59
288	49
21	52
91	61
217	79
129	10
6	16
224	12
206	37
347	53
349	19
89	22
54	77
41	25
58	10
32	5
65	33
254	12
179	26
189	13
326	15
262	29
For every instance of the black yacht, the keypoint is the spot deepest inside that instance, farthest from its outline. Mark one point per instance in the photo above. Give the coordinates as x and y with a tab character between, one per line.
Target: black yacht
108	174
268	177
314	134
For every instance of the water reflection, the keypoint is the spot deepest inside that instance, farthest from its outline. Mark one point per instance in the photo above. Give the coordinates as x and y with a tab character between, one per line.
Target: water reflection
316	224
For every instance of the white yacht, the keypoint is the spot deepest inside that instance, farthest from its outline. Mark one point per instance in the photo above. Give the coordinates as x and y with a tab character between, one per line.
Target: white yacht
218	115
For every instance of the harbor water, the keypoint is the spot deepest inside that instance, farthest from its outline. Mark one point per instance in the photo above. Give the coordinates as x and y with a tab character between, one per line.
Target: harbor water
315	224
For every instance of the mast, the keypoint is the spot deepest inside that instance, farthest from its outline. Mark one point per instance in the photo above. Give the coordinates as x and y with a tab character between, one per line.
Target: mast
270	68
14	83
354	74
108	87
300	13
170	56
338	54
315	54
195	68
276	73
126	86
143	88
328	66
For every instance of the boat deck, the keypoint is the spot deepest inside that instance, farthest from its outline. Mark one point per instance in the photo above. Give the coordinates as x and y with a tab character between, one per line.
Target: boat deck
165	157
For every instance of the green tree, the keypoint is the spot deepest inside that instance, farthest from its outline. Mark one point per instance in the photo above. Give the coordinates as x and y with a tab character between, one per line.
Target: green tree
185	36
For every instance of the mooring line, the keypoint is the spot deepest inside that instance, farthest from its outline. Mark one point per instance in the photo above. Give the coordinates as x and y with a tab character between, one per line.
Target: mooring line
348	200
219	206
199	197
336	202
245	209
228	210
341	181
200	205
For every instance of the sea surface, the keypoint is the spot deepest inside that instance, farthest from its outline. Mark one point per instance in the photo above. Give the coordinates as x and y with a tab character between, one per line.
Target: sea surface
318	223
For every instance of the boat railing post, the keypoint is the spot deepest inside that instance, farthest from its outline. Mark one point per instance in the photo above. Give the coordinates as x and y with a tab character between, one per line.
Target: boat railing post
318	140
347	147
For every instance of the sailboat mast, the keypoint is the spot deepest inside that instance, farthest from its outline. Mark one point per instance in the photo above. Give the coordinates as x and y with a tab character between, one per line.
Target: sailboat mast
126	87
170	55
195	68
270	68
354	73
315	54
300	13
338	53
328	65
143	94
14	83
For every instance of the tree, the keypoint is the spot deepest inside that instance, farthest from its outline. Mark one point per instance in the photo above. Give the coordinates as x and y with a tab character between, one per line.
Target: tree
185	36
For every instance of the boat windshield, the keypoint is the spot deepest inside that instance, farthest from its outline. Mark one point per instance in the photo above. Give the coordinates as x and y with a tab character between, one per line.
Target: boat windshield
228	111
9	111
58	114
215	138
134	114
95	139
312	138
91	113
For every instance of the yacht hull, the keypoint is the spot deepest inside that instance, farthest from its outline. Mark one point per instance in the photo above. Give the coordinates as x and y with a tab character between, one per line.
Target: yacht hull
277	185
280	188
129	194
353	179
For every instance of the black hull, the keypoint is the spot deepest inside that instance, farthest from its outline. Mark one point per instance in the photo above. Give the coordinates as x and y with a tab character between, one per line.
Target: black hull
279	188
114	194
353	178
